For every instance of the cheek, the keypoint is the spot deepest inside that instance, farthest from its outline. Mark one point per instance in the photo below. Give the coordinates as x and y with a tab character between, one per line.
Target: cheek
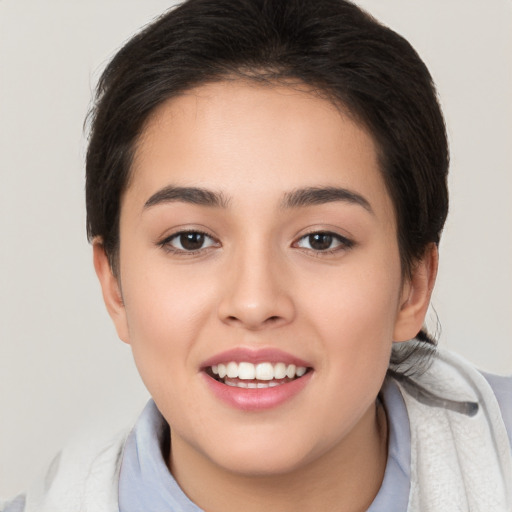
353	316
165	314
354	313
360	299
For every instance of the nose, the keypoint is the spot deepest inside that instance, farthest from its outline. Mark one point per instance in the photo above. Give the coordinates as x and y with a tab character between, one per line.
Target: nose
256	292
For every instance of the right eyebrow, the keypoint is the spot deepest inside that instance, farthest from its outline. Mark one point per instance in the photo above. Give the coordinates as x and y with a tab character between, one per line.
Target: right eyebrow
310	196
193	195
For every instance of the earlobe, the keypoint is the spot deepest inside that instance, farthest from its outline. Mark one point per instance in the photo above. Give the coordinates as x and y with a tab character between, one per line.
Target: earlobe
111	290
416	296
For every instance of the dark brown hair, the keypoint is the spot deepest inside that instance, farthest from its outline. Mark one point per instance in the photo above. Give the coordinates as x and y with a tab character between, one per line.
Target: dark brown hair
332	46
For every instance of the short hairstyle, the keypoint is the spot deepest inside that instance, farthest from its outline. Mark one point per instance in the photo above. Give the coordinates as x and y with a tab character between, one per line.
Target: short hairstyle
331	46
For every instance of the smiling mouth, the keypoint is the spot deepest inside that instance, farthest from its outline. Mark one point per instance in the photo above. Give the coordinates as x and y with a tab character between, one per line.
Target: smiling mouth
255	376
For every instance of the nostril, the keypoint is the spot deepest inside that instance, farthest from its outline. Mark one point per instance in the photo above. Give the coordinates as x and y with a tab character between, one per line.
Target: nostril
270	320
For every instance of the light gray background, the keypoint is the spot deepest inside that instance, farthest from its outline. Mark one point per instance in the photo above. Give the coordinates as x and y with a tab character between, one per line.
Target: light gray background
62	368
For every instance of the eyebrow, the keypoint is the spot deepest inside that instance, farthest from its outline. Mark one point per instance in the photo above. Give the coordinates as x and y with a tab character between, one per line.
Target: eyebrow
302	197
192	195
311	196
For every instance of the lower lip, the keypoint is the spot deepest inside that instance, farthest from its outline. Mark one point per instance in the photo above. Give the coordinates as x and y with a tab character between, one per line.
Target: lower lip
257	399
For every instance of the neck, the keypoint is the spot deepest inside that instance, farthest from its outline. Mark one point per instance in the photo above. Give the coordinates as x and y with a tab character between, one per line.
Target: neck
345	479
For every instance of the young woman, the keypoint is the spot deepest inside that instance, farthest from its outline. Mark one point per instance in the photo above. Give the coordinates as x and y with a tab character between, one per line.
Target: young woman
266	189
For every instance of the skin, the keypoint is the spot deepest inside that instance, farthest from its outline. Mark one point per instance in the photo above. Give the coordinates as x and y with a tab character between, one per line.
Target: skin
258	283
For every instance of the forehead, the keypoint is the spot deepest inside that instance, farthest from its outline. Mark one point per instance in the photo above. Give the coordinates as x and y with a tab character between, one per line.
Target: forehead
254	141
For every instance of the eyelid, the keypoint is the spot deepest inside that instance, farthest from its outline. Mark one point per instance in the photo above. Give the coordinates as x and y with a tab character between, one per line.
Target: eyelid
165	242
344	244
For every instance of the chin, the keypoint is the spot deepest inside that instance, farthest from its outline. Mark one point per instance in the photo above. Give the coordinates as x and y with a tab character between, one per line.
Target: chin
260	454
263	463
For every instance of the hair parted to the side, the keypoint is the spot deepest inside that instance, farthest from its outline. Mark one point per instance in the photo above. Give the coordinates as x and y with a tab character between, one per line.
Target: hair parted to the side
331	46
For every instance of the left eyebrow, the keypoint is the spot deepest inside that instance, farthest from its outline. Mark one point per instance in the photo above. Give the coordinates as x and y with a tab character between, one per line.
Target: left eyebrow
310	196
192	195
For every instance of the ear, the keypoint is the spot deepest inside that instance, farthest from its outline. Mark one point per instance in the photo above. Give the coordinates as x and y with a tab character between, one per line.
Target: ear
415	297
111	290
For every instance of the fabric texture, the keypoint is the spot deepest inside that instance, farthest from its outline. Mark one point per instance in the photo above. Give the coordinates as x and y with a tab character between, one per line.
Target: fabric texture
145	483
82	478
460	460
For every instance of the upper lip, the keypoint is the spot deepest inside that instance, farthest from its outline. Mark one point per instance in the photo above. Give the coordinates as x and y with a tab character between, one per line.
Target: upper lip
254	356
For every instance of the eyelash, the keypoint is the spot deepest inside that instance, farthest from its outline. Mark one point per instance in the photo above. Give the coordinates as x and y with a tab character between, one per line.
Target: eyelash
166	242
343	243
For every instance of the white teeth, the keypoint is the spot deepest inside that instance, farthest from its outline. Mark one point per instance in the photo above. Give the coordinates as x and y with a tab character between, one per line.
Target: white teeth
279	371
246	371
232	370
300	371
262	371
252	385
290	371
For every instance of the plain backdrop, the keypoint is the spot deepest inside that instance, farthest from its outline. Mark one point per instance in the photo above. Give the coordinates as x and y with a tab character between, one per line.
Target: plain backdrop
62	368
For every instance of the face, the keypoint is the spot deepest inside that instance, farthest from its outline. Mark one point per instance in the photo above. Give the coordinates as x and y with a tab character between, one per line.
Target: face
258	239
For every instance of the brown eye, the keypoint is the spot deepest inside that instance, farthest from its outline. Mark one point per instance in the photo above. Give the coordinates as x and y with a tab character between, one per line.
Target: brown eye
320	241
188	241
191	241
324	242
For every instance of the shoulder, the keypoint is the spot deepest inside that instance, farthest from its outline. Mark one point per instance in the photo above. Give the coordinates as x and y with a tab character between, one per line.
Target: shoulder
83	476
460	447
502	388
16	505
